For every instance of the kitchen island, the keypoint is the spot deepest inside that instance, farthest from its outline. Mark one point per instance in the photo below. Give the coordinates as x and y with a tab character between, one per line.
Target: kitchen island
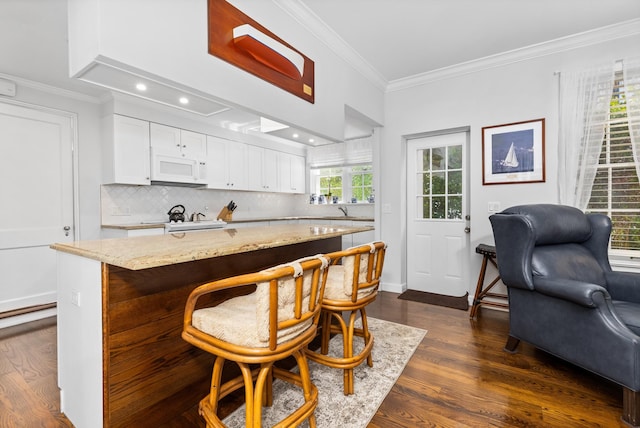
121	360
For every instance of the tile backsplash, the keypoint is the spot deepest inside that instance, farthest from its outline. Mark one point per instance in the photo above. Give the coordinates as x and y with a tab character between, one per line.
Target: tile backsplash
121	204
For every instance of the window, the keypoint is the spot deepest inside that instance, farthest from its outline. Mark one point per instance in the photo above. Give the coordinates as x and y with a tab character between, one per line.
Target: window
616	190
439	172
330	183
347	183
361	183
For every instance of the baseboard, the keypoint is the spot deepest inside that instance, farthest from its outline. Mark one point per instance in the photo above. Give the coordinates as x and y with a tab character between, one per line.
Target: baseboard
25	318
393	288
28	301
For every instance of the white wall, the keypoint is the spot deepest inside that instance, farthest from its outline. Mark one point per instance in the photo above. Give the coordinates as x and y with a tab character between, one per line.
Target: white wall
519	91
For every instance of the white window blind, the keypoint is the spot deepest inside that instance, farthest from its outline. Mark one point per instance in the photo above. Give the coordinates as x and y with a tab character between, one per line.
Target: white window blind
351	152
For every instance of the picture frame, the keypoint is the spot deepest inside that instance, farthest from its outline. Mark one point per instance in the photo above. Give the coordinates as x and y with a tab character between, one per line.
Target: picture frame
513	153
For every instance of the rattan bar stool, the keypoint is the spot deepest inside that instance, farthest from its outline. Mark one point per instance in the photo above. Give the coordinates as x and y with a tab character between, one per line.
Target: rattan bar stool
350	287
276	321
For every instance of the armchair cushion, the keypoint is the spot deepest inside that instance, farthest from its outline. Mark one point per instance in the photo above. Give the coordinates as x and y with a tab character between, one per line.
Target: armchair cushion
567	261
629	314
624	286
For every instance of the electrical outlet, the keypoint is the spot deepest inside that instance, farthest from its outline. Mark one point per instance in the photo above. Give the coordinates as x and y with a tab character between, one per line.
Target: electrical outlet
75	297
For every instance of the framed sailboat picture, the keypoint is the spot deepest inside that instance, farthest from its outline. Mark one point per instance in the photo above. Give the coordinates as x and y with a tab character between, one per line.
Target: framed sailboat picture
513	153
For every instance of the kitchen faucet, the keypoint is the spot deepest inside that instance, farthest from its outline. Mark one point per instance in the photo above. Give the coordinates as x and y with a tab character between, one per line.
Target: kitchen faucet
344	210
196	216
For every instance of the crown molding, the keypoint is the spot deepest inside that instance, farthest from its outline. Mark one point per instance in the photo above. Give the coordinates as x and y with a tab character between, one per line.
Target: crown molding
575	41
54	90
301	13
308	19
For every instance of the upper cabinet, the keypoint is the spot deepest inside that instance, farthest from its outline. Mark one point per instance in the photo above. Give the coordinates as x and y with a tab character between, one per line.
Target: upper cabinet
227	162
291	173
126	150
139	152
178	142
263	166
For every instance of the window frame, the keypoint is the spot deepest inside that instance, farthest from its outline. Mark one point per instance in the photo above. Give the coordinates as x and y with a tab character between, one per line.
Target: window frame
346	172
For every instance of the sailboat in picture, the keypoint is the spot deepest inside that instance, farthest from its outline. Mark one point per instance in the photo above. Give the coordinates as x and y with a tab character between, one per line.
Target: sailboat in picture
511	160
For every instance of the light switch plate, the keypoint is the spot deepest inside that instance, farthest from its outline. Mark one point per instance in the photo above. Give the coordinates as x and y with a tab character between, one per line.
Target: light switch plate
494	207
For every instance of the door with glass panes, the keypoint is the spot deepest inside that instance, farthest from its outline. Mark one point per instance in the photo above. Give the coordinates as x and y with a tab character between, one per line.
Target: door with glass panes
437	229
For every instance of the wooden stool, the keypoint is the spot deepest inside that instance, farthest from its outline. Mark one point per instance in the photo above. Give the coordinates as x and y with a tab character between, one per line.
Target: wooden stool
488	256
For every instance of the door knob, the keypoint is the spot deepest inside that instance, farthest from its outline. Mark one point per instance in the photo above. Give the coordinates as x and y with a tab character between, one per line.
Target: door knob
66	230
467	229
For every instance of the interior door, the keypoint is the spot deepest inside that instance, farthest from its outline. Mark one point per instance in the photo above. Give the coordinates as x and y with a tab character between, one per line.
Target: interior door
437	229
37	202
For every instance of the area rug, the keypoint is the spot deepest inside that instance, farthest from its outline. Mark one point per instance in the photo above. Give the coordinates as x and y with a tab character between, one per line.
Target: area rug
394	344
461	302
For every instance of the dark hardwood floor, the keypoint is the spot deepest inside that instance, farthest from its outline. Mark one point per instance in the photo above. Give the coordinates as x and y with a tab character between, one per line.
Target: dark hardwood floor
458	377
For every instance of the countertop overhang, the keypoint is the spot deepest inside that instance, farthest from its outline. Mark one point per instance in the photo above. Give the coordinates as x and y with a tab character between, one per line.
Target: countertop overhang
145	252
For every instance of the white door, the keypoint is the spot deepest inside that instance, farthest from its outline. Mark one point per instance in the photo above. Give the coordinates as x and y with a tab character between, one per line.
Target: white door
36	191
437	242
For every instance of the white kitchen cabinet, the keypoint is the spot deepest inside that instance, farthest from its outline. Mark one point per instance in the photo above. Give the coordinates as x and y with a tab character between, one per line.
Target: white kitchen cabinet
126	150
291	173
171	141
355	239
227	164
363	237
262	165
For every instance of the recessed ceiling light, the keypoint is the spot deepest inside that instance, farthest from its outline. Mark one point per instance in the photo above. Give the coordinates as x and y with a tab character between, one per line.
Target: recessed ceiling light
311	140
184	100
141	87
295	135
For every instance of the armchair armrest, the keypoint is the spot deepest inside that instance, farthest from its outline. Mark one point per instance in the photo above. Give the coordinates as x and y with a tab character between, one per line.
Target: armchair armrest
581	293
624	286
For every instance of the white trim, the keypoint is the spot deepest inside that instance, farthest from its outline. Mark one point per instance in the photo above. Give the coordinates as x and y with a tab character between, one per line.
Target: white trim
393	287
301	13
310	21
54	90
25	318
587	38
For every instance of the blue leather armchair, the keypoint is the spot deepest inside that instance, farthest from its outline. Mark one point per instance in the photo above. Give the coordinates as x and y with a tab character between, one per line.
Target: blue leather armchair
563	296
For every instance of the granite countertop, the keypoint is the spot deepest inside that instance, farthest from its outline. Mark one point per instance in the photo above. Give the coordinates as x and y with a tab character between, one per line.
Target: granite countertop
153	225
152	251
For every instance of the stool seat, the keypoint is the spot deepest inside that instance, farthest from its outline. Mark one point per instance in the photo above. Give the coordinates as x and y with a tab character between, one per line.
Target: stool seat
488	253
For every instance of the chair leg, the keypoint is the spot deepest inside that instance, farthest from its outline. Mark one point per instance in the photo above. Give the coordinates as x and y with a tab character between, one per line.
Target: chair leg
326	332
305	379
263	380
366	335
209	405
249	396
631	407
512	344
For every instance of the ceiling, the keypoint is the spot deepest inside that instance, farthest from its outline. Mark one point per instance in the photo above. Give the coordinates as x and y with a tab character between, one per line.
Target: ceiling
403	38
393	39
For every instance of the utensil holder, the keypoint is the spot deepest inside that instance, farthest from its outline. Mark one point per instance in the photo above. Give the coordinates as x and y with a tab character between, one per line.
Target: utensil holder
225	215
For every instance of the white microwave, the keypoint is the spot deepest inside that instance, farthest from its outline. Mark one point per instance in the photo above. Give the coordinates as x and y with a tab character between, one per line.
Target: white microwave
173	169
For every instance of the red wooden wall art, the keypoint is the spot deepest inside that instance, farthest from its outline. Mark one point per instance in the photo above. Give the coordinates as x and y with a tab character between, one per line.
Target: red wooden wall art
241	41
